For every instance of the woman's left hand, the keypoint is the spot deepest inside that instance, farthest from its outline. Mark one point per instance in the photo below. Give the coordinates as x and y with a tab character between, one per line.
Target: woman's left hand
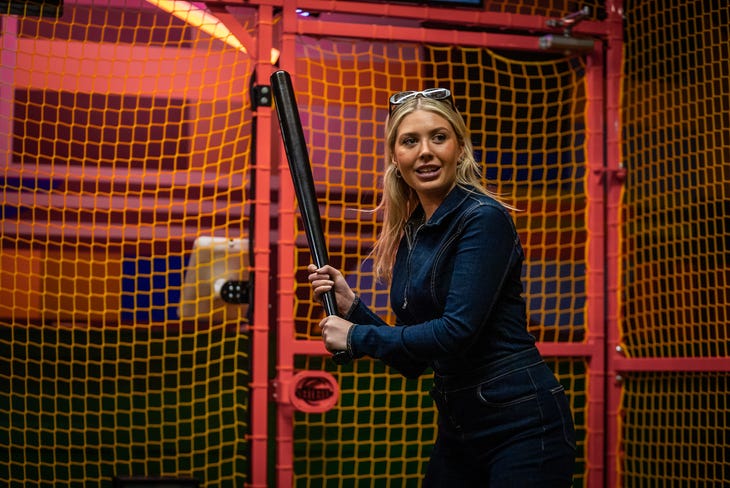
334	333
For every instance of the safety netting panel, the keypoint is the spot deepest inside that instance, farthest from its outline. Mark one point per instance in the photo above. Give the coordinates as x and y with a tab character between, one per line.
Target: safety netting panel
677	199
526	114
675	429
125	136
676	203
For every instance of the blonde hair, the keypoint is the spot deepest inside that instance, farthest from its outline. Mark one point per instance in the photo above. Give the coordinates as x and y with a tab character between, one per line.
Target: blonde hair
399	200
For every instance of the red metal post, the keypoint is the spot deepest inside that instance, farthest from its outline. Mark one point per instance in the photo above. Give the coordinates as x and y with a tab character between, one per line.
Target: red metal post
614	178
262	251
595	265
285	280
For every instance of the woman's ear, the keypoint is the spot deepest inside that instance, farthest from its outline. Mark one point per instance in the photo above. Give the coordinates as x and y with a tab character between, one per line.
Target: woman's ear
462	156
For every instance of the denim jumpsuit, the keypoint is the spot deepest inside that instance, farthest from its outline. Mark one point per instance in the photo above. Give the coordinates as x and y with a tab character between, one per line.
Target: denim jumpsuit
504	419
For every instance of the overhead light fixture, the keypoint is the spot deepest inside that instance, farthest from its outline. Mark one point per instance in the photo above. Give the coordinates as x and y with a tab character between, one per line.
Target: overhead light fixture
201	18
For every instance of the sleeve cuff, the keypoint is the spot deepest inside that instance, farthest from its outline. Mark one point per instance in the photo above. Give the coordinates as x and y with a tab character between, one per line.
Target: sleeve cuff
349	340
350	311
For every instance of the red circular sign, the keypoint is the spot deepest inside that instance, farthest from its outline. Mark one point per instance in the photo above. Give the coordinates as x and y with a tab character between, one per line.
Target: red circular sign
314	391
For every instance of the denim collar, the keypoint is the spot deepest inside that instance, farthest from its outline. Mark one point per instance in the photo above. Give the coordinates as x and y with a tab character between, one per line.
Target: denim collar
453	201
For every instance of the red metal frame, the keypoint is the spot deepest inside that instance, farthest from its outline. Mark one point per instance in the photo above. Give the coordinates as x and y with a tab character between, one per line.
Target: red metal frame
602	249
614	179
595	266
259	386
715	364
436	14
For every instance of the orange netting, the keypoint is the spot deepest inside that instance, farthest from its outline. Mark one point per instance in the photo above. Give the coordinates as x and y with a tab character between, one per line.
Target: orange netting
119	154
527	122
676	283
126	134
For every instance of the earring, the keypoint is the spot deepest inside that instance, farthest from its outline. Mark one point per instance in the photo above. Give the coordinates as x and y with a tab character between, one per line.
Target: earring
397	173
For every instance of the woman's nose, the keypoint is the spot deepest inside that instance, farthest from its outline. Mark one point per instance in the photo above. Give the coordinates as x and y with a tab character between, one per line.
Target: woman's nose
425	151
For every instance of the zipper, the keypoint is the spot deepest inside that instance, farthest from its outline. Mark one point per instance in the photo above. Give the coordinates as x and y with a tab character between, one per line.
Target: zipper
411	239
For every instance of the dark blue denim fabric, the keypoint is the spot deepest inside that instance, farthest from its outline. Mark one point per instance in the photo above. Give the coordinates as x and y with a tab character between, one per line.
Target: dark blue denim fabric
456	292
508	425
504	419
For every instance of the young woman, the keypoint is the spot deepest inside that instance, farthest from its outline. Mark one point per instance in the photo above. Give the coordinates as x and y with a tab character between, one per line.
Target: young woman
453	259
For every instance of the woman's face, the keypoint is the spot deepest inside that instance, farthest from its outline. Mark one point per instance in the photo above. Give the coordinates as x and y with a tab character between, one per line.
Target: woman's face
426	152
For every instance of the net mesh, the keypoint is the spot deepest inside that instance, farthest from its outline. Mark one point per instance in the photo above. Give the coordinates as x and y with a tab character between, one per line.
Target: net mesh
126	135
693	452
120	152
526	117
676	228
677	196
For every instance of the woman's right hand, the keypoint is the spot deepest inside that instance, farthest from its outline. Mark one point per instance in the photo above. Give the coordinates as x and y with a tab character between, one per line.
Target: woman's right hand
328	278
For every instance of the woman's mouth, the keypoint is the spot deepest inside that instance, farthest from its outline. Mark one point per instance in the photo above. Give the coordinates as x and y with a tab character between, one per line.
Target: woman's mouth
428	172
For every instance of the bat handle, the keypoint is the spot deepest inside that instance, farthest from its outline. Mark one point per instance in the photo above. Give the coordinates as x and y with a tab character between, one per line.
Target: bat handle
330	307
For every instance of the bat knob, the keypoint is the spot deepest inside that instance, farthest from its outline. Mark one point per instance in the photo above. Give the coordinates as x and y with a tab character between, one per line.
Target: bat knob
341	357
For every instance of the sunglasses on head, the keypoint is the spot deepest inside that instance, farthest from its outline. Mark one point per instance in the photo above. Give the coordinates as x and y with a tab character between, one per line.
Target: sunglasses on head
432	93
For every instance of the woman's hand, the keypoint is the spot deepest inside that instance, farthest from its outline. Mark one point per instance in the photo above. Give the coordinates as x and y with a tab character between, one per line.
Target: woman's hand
334	333
328	278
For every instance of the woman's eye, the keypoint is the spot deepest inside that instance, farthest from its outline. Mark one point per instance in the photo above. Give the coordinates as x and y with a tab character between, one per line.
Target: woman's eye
439	137
408	141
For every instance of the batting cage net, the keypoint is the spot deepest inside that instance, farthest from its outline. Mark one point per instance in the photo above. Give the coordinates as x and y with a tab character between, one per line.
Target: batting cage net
126	141
527	123
676	247
154	312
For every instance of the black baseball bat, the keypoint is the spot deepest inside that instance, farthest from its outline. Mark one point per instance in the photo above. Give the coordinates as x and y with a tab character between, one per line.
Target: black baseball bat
301	173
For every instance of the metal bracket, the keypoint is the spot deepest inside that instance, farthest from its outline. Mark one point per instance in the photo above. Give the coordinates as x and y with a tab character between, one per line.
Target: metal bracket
610	174
237	292
261	96
570	20
567	44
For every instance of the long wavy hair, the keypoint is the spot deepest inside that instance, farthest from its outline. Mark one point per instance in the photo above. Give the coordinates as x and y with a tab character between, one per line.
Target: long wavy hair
399	200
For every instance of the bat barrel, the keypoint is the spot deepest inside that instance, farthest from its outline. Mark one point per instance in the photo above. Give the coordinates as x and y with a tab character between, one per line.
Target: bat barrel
299	164
301	172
